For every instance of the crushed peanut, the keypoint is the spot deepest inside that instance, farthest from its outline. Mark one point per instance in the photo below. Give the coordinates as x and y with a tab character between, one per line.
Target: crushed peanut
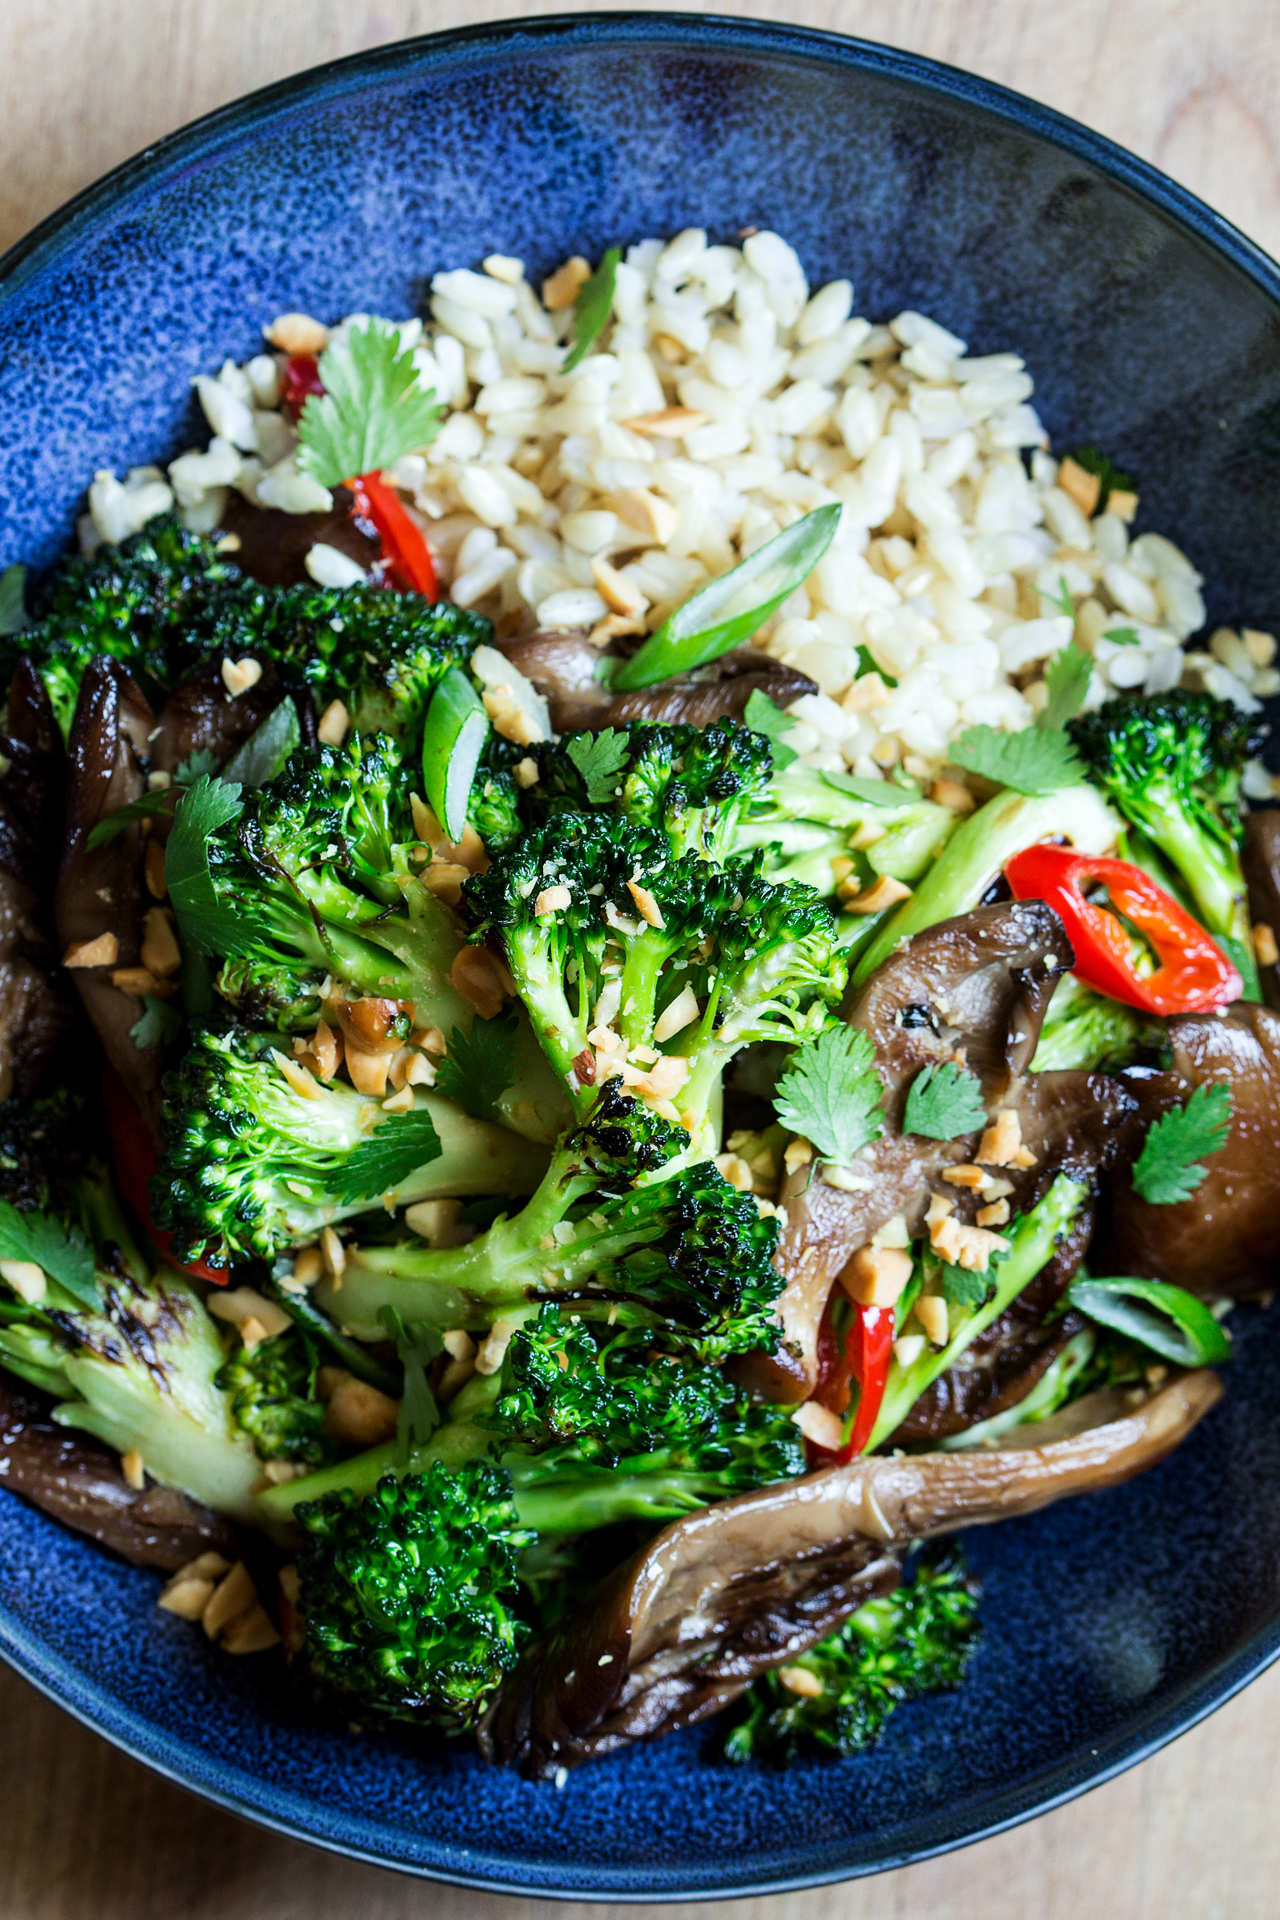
801	1681
876	1276
885	893
931	1312
646	512
29	1281
1080	485
334	1255
670	423
819	1424
1001	1142
510	718
526	773
676	1015
619	594
1264	945
160	952
868	691
297	333
153	870
334	724
646	906
303	1083
103	951
238	676
798	1154
552	900
996	1215
561	288
950	793
135	1473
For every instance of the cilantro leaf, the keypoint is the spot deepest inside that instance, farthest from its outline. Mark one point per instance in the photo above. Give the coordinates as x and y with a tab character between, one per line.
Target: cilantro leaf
1113	481
13	607
157	1025
599	758
867	664
372	410
830	1094
63	1252
1067	678
394	1150
189	771
592	308
1166	1169
944	1102
1030	762
960	1288
479	1067
114	824
417	1346
205	921
265	753
1061	599
1122	636
763	716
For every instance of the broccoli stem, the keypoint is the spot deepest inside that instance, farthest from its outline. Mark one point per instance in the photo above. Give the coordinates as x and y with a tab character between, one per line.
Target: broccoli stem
976	853
1211	872
1085	1029
1032	1241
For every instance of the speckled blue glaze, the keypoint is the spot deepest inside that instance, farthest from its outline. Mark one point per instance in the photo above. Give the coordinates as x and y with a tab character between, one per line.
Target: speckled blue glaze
1152	328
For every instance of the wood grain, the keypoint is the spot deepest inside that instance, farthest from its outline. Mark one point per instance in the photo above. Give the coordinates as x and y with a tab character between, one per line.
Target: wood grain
1193	85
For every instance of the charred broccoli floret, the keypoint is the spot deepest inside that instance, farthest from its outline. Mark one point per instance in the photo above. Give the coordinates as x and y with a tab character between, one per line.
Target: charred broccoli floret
272	1388
251	1165
618	1226
611	939
146	602
1172	764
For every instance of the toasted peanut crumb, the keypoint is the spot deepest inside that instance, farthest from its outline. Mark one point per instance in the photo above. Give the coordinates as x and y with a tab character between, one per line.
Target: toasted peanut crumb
845	1180
334	722
996	1215
552	900
1123	504
736	1171
885	893
399	1102
526	772
798	1154
950	793
299	1079
430	1039
327	1048
240	1305
153	870
676	1016
619	593
368	1071
646	906
444	878
103	951
1001	1140
425	824
28	1280
297	333
334	1255
672	423
238	676
974	1178
512	720
493	1348
1264	945
482	980
160	951
135	1473
185	1597
308	1265
868	691
876	1276
819	1424
644	511
359	1415
134	980
253	1632
1080	485
931	1312
908	1349
233	1596
560	289
801	1681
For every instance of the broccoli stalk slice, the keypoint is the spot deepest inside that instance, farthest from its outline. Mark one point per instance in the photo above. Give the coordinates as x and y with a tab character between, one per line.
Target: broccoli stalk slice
141	1374
1032	1241
976	854
251	1166
807	819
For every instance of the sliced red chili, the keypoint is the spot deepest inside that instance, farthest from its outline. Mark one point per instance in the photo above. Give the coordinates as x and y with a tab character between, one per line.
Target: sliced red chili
405	553
1194	975
864	1356
300	380
136	1159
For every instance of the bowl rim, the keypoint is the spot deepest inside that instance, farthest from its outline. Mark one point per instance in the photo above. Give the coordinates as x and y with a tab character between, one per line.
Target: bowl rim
202	139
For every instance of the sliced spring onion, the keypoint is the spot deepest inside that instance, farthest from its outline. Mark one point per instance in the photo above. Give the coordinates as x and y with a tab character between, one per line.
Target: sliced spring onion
265	753
729	610
1168	1319
452	742
592	308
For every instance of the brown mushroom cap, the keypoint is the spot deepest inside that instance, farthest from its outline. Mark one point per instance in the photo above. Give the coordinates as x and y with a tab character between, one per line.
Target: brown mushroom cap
734	1590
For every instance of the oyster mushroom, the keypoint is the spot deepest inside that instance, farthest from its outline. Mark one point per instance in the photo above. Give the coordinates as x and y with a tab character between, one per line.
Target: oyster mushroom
34	1014
562	666
683	1627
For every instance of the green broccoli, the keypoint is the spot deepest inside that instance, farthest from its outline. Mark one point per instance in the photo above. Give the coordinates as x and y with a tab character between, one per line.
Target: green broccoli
272	1388
1086	1029
917	1640
251	1166
602	924
619	1226
1172	764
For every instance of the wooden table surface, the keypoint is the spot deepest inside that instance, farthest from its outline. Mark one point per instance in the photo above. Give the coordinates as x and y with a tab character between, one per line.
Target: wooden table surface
1193	85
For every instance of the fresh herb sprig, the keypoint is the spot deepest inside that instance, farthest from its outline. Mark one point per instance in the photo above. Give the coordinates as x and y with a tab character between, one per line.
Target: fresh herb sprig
601	757
480	1066
62	1251
831	1094
1167	1169
592	308
1033	761
394	1150
943	1102
372	411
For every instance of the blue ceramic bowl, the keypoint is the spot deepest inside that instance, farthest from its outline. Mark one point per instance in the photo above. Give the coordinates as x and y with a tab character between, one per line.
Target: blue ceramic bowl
1153	329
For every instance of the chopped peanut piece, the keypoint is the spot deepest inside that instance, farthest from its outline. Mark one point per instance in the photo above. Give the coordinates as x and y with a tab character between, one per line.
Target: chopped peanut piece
437	1223
996	1215
334	1255
552	900
1001	1140
1122	503
849	888
646	906
672	423
798	1154
334	724
419	1072
103	951
137	981
1264	945
233	1596
950	793
619	593
238	676
425	824
458	1344
253	1632
885	893
297	333
866	692
819	1424
430	1039
326	1049
645	512
153	870
368	1071
28	1280
908	1349
1023	1158
493	1348
482	980
1080	485
308	1265
526	773
931	1312
160	951
801	1681
893	1233
135	1474
512	720
845	1180
399	1102
841	867
736	1171
239	1305
613	626
358	1415
186	1597
1260	647
444	878
561	288
664	1078
676	1016
876	1276
299	1079
967	1176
